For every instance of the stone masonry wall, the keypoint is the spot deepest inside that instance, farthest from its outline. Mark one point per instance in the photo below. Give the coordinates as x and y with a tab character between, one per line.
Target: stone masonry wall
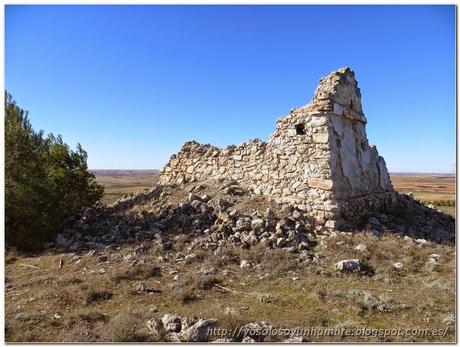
318	157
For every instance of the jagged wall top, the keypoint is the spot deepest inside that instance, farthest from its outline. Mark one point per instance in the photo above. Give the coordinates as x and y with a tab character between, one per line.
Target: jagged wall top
318	156
338	93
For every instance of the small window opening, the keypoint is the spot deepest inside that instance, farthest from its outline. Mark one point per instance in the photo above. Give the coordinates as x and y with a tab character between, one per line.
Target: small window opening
351	104
300	129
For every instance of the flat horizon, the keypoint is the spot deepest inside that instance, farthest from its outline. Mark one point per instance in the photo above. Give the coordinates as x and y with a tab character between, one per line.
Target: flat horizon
391	173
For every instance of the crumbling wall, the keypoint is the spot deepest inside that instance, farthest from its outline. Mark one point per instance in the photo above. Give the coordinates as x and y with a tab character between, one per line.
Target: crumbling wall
318	157
291	166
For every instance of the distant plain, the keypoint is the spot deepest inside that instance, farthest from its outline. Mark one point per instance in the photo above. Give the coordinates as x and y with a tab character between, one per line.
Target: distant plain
428	187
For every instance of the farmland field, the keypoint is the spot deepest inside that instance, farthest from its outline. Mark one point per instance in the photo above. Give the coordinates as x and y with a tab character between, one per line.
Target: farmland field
428	187
118	183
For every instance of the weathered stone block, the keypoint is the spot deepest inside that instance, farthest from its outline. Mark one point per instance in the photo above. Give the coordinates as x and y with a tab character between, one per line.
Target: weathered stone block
320	137
320	183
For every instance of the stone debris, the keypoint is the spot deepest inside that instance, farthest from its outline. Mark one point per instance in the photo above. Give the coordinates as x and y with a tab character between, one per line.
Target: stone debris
245	264
108	226
231	311
398	265
156	328
172	323
143	287
360	248
421	242
174	328
209	271
200	331
349	265
266	298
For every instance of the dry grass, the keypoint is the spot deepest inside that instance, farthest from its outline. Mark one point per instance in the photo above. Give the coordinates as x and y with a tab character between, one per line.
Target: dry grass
140	272
97	295
45	303
306	294
125	327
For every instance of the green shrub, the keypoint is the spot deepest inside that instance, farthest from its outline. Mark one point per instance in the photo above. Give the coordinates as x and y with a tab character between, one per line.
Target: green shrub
450	203
45	182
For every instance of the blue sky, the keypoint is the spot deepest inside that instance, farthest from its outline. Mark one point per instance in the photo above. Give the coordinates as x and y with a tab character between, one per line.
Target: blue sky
132	83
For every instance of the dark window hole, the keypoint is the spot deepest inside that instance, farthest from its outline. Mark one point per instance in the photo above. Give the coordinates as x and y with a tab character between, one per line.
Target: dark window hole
300	129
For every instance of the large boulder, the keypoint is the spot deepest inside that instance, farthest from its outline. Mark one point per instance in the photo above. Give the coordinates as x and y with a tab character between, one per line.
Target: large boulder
156	328
200	331
349	265
172	323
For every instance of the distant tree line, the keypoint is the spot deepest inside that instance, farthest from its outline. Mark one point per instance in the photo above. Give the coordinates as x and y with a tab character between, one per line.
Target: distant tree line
448	202
46	182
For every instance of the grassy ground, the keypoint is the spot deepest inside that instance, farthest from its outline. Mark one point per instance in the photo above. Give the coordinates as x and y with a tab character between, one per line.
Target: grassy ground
83	300
90	298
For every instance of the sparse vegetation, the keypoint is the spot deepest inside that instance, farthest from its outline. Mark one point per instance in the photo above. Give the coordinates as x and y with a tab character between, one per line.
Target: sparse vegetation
140	272
311	294
93	317
97	295
450	203
278	288
185	295
125	328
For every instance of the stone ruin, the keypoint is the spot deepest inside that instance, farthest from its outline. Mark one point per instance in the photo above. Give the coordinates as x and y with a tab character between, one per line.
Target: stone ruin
316	173
318	158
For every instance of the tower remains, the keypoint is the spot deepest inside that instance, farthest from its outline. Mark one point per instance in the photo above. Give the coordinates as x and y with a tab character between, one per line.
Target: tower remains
318	158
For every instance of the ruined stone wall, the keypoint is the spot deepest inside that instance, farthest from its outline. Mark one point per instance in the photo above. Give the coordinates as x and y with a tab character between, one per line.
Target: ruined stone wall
290	166
318	157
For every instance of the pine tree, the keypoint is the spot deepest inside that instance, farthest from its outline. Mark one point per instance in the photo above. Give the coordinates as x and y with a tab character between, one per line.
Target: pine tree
45	181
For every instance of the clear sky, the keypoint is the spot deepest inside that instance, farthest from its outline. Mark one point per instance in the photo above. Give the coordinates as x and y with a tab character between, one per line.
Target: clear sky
132	83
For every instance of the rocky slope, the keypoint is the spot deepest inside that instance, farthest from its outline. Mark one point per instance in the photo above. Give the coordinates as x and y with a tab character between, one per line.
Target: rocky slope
217	214
211	261
178	263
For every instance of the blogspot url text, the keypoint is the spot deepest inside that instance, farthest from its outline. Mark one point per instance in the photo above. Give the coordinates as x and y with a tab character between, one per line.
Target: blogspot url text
321	331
